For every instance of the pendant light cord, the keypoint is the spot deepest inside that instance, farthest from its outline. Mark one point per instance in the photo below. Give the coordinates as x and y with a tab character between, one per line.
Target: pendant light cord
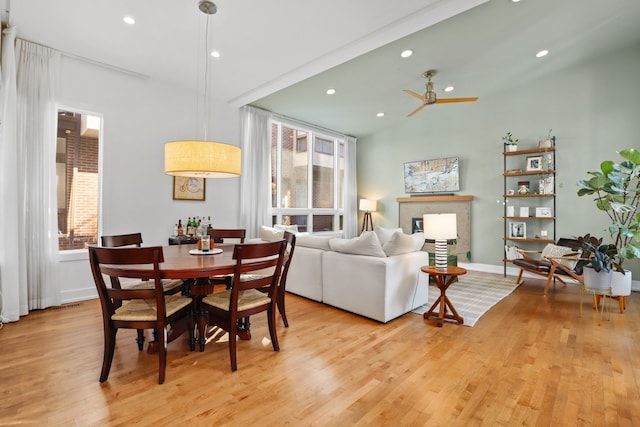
206	78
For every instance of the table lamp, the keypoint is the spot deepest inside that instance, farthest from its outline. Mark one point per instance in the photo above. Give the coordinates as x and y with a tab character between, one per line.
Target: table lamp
440	227
367	206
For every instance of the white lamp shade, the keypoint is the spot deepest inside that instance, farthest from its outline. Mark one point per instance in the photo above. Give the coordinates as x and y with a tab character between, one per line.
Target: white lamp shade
202	159
368	205
440	226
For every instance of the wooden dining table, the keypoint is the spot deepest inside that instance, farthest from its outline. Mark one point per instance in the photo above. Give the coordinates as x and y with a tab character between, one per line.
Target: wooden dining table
196	271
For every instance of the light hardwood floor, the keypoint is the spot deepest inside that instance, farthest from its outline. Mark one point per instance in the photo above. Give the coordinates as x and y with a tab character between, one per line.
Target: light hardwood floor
529	361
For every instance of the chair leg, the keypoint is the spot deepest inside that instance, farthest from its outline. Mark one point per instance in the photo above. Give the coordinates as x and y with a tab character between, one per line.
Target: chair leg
271	313
520	276
162	355
281	309
622	301
140	339
109	347
233	343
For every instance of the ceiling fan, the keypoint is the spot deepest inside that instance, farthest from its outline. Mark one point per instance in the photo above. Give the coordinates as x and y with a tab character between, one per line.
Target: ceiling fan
430	95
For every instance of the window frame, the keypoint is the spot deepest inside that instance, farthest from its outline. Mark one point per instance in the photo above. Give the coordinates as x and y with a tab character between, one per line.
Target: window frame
312	134
73	254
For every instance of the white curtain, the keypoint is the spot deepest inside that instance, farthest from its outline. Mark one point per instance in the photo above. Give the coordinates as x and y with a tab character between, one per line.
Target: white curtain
29	263
13	278
255	180
350	220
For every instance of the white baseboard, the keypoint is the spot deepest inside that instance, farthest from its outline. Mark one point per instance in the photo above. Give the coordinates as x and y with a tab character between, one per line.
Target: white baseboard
514	271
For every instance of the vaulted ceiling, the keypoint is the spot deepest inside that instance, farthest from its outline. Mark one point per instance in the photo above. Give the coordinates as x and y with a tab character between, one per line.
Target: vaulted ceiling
283	55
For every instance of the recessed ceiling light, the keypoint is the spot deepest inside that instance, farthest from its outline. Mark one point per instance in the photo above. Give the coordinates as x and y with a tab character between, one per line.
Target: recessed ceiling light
380	114
406	53
331	91
515	1
215	54
129	20
542	53
449	88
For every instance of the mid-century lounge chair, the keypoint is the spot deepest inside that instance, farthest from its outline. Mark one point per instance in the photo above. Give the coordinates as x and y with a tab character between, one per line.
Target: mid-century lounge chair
553	262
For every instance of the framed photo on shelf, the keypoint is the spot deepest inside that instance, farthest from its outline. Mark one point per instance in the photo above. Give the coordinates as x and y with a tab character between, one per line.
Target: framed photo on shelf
518	230
188	188
544	212
534	163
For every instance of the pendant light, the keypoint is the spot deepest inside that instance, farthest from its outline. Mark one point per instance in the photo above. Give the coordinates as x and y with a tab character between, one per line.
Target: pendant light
202	159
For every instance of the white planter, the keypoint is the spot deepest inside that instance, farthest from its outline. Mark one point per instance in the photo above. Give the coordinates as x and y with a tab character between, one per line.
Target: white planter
512	147
621	283
598	282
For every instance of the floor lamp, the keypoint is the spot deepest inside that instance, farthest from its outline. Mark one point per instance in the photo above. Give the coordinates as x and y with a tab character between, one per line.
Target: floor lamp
440	227
367	206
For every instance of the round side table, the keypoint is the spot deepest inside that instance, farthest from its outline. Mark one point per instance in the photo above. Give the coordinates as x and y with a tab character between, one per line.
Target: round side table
443	278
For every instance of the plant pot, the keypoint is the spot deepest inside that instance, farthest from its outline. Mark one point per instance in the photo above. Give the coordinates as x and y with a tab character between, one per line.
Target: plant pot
621	283
512	147
597	282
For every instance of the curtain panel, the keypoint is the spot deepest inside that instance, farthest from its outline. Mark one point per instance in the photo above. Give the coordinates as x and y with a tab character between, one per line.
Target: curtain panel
29	248
255	180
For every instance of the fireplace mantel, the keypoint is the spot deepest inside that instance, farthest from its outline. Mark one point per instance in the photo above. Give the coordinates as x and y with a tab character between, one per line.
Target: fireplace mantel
432	199
415	207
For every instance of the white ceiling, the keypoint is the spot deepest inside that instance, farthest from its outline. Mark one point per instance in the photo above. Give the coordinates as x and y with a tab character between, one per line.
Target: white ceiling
275	52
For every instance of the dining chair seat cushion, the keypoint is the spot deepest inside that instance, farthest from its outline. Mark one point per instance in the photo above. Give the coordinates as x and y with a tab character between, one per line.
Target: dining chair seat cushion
143	309
246	299
167	284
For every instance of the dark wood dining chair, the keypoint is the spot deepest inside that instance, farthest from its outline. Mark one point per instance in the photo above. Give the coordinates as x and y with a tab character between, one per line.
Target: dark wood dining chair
244	299
290	238
171	286
137	308
219	234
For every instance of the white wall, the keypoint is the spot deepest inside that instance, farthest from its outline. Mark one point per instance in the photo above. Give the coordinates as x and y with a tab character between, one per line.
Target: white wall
593	109
140	115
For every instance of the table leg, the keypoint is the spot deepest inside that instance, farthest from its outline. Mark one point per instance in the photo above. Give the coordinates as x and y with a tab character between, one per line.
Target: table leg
443	301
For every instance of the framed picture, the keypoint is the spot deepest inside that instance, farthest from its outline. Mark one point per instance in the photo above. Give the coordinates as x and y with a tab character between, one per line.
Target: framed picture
534	163
188	188
544	212
518	230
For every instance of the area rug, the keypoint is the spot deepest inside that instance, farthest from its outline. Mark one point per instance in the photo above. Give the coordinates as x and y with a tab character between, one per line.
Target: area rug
473	295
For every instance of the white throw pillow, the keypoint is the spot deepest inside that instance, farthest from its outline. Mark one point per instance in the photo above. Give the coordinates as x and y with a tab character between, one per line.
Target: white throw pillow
289	228
366	244
269	234
316	242
401	243
384	234
555	251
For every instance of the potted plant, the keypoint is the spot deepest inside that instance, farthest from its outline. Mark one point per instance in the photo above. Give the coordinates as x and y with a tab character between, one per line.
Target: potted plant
510	143
548	142
599	261
616	187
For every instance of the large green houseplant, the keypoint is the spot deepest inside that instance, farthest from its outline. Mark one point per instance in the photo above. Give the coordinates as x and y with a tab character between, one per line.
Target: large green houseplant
617	190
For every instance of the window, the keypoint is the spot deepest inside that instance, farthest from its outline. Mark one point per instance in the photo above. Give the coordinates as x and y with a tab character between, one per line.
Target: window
307	184
77	176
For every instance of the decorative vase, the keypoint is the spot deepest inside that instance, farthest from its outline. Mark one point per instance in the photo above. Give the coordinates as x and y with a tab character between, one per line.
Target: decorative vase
621	283
599	282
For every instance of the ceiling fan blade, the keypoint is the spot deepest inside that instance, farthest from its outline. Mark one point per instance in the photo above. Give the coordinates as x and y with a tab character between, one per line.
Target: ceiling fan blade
417	95
416	110
447	100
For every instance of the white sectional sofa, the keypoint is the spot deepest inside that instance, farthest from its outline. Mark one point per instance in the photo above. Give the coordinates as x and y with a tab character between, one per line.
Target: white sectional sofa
376	275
